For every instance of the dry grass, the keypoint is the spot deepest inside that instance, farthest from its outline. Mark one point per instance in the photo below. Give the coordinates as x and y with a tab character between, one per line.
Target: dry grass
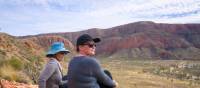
130	74
9	73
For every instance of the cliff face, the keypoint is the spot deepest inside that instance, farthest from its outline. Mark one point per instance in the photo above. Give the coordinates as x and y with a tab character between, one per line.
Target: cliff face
46	41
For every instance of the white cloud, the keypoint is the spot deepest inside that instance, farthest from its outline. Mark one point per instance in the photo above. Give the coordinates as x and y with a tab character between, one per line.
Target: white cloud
152	8
41	16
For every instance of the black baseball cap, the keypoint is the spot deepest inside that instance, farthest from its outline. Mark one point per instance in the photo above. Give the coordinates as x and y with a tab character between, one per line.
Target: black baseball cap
86	38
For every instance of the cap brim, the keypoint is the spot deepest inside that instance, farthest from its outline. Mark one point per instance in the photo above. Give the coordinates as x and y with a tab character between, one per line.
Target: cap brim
96	40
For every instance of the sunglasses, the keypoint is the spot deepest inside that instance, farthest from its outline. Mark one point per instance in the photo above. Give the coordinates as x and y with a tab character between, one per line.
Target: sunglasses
90	45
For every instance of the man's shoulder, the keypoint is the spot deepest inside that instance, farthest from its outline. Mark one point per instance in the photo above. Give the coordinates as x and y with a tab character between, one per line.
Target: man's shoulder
86	59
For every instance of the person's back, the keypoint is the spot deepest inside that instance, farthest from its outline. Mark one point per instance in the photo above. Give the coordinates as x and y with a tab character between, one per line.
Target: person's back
84	72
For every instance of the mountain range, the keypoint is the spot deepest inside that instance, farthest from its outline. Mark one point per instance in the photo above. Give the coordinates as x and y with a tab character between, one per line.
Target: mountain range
139	40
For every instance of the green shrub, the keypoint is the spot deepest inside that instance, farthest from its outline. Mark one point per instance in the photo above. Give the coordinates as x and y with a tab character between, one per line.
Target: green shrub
33	68
16	63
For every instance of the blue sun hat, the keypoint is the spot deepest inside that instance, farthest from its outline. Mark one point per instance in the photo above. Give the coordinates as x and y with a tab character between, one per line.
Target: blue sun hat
57	47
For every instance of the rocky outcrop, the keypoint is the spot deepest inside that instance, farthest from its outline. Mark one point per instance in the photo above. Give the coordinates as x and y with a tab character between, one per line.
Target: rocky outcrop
8	84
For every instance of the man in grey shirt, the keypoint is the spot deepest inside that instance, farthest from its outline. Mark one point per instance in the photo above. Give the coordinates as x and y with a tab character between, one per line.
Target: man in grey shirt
84	71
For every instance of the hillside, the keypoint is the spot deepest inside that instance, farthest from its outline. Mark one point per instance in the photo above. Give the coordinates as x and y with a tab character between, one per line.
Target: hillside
15	58
144	40
22	59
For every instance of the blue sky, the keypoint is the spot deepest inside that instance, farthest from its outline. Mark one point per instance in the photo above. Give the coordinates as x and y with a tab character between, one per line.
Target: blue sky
29	17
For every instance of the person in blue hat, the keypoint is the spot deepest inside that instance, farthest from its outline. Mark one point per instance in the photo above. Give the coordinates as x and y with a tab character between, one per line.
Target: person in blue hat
51	75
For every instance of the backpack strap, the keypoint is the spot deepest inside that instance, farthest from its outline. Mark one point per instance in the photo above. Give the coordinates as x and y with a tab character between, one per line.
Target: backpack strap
60	69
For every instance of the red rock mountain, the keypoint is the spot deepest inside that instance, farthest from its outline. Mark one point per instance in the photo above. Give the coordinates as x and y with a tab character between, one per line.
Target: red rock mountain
46	41
143	40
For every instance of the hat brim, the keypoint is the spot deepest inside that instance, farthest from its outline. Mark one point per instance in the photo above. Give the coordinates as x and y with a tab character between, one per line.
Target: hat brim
66	51
51	54
96	40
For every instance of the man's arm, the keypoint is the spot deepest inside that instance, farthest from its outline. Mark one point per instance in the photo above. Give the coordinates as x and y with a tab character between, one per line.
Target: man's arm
101	76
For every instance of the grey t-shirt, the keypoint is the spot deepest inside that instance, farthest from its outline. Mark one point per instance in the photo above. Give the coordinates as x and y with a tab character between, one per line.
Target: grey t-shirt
51	76
83	72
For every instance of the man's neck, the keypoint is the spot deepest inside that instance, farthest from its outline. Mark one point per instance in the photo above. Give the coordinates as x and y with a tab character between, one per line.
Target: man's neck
82	54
